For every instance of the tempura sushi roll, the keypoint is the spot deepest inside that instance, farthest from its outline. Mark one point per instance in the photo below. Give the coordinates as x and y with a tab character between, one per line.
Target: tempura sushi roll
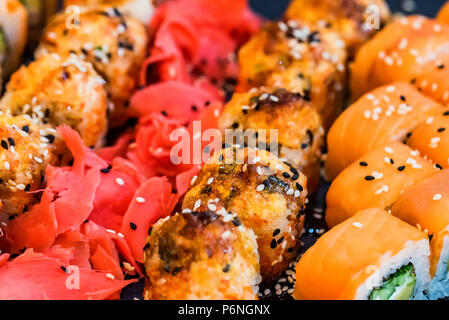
375	180
267	196
60	90
300	59
431	138
405	50
13	35
426	205
371	256
201	255
26	149
115	44
388	113
298	128
351	19
142	10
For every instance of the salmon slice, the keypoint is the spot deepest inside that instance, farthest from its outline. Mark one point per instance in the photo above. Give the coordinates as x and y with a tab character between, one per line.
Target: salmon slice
375	181
404	50
341	262
431	138
386	114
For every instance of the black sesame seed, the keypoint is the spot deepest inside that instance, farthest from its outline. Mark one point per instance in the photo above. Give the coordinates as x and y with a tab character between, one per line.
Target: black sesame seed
446	113
26	128
441	129
391	161
4	144
441	66
63	268
194	108
438	166
227	268
11	142
147	246
363	164
286	175
276	232
280	240
132	225
50	137
402	98
304	146
164	113
27	187
150	230
236	221
369	178
106	170
401	168
207	103
273	244
299	187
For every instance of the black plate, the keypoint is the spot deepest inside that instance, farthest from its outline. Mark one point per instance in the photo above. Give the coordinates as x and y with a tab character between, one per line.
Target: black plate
315	224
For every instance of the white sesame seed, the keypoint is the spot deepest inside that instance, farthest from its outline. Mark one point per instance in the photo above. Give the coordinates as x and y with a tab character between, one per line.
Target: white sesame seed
389	150
260	187
140	200
6	165
210	180
357	224
110	276
120	181
193	180
437	197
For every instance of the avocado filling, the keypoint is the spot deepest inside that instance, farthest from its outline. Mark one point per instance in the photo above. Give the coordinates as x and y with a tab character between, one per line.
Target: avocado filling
398	286
2	46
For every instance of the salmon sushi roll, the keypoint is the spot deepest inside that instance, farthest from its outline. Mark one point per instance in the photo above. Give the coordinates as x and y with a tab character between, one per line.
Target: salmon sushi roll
267	196
13	35
298	135
405	49
371	256
201	256
443	14
426	205
431	138
350	18
375	180
60	90
290	55
389	113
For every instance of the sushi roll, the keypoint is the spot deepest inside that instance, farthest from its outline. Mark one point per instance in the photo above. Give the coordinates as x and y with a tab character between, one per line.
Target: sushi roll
115	45
60	90
201	256
375	180
290	55
26	149
410	49
13	35
351	19
267	196
371	256
431	138
388	113
142	10
299	132
426	205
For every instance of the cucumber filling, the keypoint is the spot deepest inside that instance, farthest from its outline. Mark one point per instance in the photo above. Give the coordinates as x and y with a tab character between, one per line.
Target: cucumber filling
398	286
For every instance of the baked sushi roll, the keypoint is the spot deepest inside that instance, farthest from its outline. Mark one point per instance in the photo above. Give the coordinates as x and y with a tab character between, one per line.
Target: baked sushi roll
371	256
201	256
388	113
412	49
299	134
431	138
142	10
13	36
267	195
60	90
350	19
115	44
290	55
376	180
426	206
25	151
